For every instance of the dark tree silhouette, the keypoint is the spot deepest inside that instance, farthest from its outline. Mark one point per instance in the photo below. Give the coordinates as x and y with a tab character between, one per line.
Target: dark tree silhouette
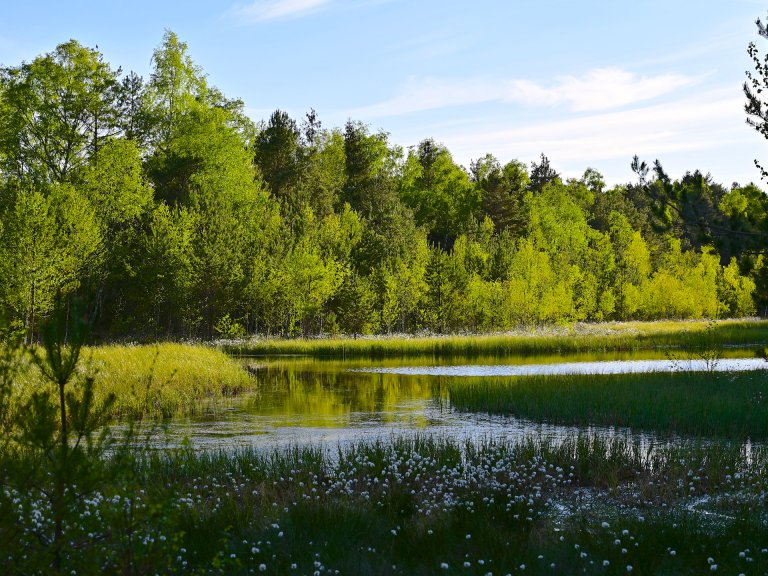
757	81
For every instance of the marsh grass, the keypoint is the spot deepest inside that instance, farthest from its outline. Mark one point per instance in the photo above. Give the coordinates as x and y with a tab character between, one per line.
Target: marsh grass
626	336
409	505
730	405
155	381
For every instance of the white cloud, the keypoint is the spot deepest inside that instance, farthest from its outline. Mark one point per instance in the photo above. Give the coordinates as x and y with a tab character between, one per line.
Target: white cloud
702	122
599	89
262	10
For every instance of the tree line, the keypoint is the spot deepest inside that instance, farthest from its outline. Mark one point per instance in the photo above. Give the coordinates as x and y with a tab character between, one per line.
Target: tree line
170	213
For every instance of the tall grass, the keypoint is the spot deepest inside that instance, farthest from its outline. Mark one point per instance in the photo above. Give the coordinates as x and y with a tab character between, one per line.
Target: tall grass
626	336
414	505
704	404
156	380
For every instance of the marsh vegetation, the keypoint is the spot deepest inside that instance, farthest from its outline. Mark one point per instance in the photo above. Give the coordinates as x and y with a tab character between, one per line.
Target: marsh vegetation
306	465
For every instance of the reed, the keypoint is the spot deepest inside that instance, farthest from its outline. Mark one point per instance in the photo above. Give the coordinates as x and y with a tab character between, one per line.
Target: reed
730	405
627	336
155	381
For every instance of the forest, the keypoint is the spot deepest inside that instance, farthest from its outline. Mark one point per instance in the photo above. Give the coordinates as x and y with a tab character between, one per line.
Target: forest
163	209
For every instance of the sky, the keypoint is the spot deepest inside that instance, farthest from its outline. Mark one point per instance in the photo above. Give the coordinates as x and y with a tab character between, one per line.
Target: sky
589	83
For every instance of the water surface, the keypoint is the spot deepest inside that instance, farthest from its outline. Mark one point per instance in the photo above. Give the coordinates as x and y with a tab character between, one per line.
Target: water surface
310	401
599	367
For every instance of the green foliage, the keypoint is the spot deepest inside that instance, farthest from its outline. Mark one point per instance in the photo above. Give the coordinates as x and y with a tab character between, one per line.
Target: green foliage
503	193
48	243
56	112
324	173
163	273
438	191
167	210
276	153
355	306
369	168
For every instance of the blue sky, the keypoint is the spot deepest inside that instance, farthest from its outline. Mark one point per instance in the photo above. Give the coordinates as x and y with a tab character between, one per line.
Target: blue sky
589	83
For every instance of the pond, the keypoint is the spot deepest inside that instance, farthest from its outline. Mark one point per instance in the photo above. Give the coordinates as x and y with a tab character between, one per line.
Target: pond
310	401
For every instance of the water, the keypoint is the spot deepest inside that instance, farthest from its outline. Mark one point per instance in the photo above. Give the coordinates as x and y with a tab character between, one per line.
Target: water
309	401
602	367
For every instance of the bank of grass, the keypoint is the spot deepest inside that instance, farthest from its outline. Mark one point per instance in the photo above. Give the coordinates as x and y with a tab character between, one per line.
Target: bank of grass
612	336
713	404
156	381
413	505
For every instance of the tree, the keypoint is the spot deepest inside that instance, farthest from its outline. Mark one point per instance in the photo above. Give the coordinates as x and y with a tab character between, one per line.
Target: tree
162	275
757	106
323	173
175	84
503	192
439	192
356	305
633	265
47	242
685	208
56	112
311	127
122	201
200	161
277	152
133	115
541	174
369	186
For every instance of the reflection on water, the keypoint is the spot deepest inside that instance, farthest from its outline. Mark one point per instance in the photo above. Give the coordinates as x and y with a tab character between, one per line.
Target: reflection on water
295	404
303	401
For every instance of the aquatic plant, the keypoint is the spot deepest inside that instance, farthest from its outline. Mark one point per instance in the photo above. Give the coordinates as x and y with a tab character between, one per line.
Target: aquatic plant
697	403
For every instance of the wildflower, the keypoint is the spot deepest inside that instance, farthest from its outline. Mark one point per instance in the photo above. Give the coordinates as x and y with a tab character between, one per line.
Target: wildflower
262	567
444	565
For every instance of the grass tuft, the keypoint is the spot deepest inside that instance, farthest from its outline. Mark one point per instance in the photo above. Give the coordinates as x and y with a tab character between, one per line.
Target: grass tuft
612	336
155	381
729	405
